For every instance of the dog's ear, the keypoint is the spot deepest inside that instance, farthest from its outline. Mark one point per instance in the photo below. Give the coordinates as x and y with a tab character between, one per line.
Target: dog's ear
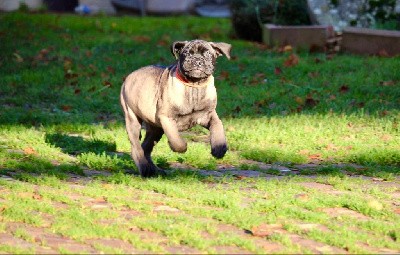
176	48
222	48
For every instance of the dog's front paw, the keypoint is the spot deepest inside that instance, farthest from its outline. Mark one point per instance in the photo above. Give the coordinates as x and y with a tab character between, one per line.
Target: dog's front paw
180	147
219	151
149	170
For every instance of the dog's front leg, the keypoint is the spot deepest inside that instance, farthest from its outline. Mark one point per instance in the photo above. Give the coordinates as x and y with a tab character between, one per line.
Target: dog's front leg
217	136
175	140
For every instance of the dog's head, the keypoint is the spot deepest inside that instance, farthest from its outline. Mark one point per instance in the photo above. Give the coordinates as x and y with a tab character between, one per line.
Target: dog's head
196	59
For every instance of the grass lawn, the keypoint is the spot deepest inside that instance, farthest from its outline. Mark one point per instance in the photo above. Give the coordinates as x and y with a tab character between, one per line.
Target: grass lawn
322	134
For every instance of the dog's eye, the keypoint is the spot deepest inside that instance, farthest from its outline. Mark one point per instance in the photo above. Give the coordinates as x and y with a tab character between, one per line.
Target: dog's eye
207	54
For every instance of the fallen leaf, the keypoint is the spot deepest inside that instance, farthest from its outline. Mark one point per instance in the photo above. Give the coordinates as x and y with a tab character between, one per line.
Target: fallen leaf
141	38
239	177
30	151
164	41
397	211
93	67
77	91
313	74
387	83
287	48
100	199
310	101
264	230
302	196
257	78
299	100
66	108
107	83
155	202
314	156
331	147
386	137
37	196
292	60
277	71
223	75
384	113
344	88
110	69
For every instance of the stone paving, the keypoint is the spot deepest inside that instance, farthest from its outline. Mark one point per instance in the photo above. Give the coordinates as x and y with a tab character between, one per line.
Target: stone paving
42	240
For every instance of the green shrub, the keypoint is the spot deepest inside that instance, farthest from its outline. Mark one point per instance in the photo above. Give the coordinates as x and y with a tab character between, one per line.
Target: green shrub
247	15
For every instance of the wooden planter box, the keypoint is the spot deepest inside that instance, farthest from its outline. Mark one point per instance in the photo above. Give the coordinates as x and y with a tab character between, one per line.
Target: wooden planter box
305	37
371	41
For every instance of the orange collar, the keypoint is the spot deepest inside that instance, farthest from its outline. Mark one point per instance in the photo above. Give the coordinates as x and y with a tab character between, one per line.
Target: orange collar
188	83
180	77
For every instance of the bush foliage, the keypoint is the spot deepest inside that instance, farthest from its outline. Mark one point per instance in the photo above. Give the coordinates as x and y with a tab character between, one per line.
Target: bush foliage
247	15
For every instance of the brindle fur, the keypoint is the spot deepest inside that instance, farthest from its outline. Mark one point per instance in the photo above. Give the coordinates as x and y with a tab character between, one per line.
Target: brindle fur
154	97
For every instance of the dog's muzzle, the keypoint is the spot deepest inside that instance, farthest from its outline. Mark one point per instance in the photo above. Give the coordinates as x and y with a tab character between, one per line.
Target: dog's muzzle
197	66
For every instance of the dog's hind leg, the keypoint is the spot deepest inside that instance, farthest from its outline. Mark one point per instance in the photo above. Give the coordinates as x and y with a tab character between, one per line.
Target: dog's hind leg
133	127
153	136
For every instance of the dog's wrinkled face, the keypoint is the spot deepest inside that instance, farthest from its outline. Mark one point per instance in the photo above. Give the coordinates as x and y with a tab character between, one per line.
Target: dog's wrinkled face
196	59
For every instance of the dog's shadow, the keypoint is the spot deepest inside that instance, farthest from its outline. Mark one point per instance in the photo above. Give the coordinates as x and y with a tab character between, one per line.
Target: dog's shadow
75	145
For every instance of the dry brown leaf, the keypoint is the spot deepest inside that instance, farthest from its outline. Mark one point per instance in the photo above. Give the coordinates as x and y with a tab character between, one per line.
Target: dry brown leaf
292	60
299	100
264	230
30	151
331	147
66	108
387	83
223	75
37	196
344	88
315	156
302	196
287	48
141	38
